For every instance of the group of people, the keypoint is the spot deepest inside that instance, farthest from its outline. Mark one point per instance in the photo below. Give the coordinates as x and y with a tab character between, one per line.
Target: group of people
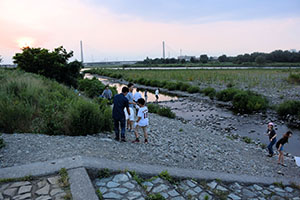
125	105
279	144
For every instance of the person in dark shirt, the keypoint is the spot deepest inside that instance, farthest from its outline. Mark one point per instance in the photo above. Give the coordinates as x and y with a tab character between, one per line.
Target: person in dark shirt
279	146
272	137
120	102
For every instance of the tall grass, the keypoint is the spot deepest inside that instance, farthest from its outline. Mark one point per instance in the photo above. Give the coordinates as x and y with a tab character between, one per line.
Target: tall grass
31	103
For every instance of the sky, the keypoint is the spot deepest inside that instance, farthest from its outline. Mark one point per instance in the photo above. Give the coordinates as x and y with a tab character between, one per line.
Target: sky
114	30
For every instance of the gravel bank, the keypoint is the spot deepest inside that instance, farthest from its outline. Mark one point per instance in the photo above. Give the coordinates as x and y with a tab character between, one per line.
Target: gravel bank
171	143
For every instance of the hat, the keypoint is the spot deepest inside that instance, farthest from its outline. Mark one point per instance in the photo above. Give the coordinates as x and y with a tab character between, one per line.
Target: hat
270	124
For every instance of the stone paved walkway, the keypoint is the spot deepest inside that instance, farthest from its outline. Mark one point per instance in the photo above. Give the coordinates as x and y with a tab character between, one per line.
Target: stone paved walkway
46	188
124	186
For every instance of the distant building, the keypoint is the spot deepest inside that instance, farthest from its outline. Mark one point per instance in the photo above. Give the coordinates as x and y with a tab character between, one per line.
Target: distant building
186	58
109	63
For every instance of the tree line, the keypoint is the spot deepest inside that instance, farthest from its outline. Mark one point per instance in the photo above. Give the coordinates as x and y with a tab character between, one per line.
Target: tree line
277	56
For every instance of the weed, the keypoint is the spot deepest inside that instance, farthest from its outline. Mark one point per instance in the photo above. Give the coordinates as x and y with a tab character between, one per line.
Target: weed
206	197
64	178
220	194
295	186
165	175
218	180
280	184
247	140
180	130
136	177
104	173
99	194
25	178
155	196
263	146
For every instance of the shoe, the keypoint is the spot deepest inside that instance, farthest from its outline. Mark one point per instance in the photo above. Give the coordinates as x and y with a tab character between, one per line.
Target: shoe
123	140
117	139
137	140
284	165
270	155
146	141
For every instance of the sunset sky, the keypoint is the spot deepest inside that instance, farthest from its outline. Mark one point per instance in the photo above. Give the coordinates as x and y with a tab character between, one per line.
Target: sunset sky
135	29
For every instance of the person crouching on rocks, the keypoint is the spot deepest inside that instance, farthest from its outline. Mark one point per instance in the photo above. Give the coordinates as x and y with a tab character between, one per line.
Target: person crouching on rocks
142	121
272	137
279	146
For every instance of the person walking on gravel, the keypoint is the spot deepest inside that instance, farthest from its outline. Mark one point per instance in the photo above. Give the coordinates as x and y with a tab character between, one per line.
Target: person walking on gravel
272	137
142	121
130	116
279	146
146	95
120	103
156	95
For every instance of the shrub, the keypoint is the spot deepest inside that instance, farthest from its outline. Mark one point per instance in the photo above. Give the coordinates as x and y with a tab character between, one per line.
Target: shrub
154	83
193	89
294	78
171	86
248	102
162	84
227	94
211	92
166	112
153	108
2	144
290	107
52	65
91	87
141	81
184	86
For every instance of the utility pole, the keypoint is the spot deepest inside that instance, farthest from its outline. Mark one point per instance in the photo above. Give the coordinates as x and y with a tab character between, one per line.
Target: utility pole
163	49
81	50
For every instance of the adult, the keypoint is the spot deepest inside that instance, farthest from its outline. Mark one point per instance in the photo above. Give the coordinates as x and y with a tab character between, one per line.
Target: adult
279	146
107	93
272	137
137	95
130	115
146	95
156	94
120	103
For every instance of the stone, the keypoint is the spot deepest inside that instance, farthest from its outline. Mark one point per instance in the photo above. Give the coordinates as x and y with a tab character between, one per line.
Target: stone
234	196
247	193
42	183
190	183
257	187
157	180
296	198
44	198
173	193
289	189
1	196
236	186
111	195
266	192
190	192
133	195
44	190
119	190
23	196
3	187
165	195
178	198
160	188
60	196
129	185
219	187
278	190
120	178
111	184
25	189
53	180
19	184
198	189
212	184
103	190
56	191
10	192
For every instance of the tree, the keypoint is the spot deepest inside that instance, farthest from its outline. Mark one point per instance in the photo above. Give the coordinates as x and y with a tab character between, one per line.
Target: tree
52	65
260	59
193	59
204	58
222	58
0	59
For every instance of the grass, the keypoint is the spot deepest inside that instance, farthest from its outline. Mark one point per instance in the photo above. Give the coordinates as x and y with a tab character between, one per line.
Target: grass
166	176
99	194
35	104
64	182
155	196
279	184
104	173
25	178
162	111
247	140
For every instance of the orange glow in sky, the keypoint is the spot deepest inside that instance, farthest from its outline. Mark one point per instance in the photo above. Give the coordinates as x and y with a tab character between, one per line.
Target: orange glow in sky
25	42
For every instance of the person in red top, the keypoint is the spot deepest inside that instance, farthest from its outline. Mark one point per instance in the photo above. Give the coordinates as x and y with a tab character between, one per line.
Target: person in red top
279	146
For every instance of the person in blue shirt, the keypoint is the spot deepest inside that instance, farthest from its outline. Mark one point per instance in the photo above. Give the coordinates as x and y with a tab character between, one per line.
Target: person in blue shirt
120	103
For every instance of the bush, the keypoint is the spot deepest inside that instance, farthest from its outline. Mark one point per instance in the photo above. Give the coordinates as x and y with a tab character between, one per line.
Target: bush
193	89
171	86
290	107
52	65
248	102
91	87
166	112
227	94
211	92
153	108
184	86
154	83
294	78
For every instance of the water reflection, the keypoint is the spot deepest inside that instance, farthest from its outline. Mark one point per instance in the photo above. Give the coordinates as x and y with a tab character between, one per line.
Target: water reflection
150	93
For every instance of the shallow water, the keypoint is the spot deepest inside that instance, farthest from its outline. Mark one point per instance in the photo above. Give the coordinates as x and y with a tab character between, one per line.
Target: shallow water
222	119
150	93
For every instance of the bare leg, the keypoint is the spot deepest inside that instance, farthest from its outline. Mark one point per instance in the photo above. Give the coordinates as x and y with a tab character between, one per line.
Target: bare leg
136	131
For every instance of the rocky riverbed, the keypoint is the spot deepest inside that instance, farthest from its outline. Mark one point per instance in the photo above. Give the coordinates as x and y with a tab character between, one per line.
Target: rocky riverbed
171	143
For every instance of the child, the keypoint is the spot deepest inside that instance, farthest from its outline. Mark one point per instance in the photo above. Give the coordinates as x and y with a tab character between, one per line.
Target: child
272	137
142	121
279	146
